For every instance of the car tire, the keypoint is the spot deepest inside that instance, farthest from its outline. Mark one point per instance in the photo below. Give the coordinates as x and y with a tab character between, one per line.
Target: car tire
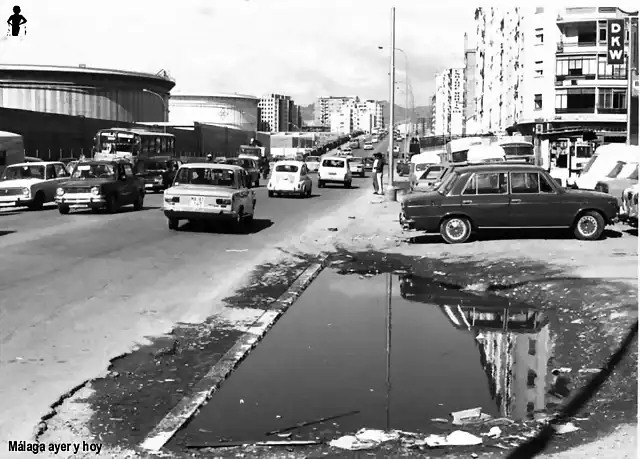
320	184
138	204
450	227
589	226
64	210
38	201
174	223
112	204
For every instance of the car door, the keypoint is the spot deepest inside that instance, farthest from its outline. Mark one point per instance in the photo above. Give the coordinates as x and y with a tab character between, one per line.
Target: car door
536	202
126	185
62	174
50	184
485	199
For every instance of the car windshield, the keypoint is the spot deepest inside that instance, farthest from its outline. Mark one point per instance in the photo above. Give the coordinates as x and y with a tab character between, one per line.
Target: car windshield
312	159
518	149
333	163
153	166
616	169
286	168
628	172
447	184
634	174
91	171
206	176
23	172
355	160
432	173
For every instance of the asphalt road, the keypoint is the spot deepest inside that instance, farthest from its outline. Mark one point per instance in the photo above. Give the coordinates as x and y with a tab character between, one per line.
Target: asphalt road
76	288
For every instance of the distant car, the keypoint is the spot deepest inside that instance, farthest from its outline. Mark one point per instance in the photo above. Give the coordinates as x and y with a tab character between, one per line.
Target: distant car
210	192
290	177
396	149
313	163
368	146
101	184
505	195
629	206
31	184
368	163
334	169
346	150
157	172
251	166
356	166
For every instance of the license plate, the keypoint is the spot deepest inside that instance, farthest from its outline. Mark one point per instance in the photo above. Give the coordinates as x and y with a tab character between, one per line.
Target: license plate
197	201
148	185
332	173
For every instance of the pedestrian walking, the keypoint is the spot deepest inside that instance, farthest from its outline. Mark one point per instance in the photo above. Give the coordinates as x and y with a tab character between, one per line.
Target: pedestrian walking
374	178
379	169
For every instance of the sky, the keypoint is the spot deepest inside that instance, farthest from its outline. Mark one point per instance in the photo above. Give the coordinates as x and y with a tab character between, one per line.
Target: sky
301	48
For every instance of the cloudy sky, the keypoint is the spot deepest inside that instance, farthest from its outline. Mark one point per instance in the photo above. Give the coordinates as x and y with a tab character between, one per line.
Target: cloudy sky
304	48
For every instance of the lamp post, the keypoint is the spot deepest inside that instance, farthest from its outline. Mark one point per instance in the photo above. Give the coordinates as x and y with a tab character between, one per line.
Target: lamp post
391	192
164	106
406	74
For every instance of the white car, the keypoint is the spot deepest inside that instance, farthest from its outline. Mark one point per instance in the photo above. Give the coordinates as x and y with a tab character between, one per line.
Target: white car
396	149
313	163
334	169
629	207
356	166
368	146
346	150
290	177
31	184
210	192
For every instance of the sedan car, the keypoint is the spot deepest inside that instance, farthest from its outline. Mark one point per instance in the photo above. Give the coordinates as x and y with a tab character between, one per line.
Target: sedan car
210	192
31	184
290	177
507	195
626	178
249	165
313	163
157	172
356	165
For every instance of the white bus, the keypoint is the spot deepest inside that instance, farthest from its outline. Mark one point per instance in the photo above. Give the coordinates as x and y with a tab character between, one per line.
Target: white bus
117	143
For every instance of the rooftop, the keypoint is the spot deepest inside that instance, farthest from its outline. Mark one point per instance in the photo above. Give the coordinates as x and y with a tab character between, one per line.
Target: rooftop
213	96
161	76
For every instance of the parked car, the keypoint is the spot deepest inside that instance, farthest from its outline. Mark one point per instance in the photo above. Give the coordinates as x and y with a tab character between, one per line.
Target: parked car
505	195
368	146
368	163
334	169
249	165
619	180
31	184
402	168
629	206
157	172
290	177
210	192
356	166
396	149
313	163
98	184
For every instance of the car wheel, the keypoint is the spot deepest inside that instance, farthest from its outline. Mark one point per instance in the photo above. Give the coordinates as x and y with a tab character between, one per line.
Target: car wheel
173	223
589	226
455	230
64	210
139	202
320	184
38	201
112	204
270	193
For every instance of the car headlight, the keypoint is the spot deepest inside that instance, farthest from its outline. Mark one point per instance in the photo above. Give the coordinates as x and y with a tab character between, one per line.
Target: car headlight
25	191
60	191
158	179
95	190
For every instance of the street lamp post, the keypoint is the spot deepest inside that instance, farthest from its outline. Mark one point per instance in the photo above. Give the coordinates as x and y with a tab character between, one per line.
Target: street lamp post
392	102
164	106
406	80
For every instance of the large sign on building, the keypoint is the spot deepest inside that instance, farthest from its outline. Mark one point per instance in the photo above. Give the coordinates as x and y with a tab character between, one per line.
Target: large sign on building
615	41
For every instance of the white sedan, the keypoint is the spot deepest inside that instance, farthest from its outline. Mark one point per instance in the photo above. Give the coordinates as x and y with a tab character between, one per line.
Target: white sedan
290	177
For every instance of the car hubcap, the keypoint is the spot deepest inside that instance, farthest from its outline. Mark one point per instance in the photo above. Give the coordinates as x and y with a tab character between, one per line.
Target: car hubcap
456	229
588	226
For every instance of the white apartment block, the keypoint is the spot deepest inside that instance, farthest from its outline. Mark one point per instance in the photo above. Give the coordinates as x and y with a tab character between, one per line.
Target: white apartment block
342	121
369	116
274	113
448	117
548	66
324	107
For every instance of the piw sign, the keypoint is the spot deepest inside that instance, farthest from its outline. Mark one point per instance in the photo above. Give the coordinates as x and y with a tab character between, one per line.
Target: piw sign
615	41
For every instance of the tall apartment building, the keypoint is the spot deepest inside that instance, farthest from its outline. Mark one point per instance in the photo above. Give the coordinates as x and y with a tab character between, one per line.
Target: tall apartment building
295	117
469	95
324	107
342	121
369	116
448	104
274	113
548	66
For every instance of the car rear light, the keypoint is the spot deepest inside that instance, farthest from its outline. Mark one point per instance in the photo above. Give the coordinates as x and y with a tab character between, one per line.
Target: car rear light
172	199
223	202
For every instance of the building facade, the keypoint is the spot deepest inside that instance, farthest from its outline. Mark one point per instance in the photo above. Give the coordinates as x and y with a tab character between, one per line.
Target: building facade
325	107
448	118
233	110
274	113
81	91
548	67
369	116
469	93
342	121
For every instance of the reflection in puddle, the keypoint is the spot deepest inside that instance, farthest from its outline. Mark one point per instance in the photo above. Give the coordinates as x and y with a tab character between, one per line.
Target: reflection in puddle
513	339
450	350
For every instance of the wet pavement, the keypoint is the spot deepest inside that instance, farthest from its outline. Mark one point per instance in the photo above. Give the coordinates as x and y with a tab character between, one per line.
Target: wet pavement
450	350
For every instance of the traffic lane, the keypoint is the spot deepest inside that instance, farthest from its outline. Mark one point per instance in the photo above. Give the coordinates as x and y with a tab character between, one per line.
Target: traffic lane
74	296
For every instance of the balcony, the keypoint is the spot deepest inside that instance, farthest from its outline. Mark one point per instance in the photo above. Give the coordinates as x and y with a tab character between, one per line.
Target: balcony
583	110
564	80
612	111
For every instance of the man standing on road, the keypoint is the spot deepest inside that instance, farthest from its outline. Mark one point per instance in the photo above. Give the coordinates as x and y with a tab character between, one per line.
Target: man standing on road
378	167
374	178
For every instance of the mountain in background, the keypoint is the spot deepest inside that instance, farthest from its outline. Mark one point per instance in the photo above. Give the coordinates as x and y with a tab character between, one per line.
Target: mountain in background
423	111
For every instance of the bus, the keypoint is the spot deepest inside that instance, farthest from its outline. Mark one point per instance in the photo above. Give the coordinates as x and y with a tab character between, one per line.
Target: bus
117	143
518	149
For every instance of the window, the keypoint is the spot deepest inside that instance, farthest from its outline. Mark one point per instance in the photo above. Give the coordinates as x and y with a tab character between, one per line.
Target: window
576	100
531	379
602	34
487	183
50	172
612	100
60	170
538	69
575	67
545	185
286	168
539	38
537	100
532	346
611	71
524	183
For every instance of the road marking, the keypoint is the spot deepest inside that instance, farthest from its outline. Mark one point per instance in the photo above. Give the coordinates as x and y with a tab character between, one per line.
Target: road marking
210	382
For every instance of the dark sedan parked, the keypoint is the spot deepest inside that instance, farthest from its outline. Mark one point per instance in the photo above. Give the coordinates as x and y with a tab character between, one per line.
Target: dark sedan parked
505	195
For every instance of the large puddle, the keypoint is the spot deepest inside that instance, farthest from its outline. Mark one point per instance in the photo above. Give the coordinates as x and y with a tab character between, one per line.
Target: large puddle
328	357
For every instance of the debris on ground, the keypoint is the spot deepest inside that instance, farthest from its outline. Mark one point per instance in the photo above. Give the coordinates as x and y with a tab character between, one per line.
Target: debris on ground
470	416
332	229
237	250
566	428
494	432
364	439
455	438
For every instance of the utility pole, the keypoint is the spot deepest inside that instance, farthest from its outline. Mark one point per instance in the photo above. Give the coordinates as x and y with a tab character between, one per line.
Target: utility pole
392	89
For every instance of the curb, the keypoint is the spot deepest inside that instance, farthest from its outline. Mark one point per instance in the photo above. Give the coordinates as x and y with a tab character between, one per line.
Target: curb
211	381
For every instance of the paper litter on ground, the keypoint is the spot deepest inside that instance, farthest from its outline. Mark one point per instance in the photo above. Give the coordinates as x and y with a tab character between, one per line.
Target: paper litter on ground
471	416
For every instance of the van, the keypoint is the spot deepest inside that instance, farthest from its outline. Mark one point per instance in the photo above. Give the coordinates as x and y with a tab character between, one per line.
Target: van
11	149
334	169
603	161
420	163
476	154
